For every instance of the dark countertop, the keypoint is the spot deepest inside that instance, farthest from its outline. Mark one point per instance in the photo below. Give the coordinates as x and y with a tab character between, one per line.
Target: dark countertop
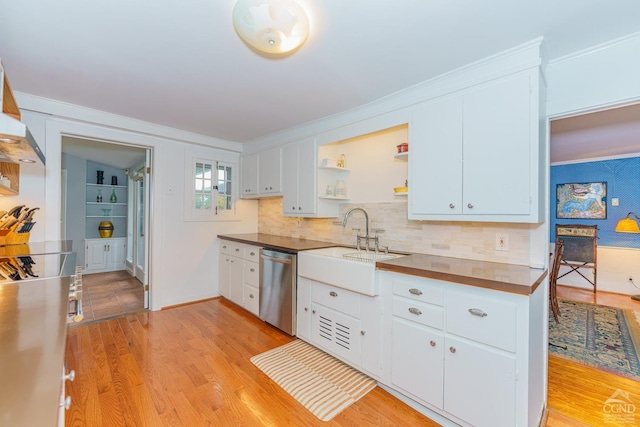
33	329
287	244
518	279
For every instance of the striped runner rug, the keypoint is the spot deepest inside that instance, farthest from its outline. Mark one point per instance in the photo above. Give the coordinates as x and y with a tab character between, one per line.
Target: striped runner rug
320	382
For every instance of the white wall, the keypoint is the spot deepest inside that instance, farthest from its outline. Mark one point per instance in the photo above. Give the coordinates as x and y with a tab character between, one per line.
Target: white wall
184	255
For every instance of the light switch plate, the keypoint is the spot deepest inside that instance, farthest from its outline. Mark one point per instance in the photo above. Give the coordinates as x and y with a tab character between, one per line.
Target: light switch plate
615	201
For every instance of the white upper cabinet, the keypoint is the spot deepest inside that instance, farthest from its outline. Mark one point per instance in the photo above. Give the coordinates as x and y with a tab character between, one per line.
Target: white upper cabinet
299	178
270	171
249	171
475	154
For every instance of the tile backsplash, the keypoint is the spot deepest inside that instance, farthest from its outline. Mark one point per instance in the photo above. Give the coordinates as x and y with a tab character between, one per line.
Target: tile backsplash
471	240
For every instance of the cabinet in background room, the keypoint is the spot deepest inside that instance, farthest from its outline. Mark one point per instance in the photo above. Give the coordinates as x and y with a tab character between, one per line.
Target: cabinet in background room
99	207
102	255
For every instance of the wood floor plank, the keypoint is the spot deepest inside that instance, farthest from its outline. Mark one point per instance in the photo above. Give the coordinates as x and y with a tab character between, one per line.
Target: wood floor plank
189	366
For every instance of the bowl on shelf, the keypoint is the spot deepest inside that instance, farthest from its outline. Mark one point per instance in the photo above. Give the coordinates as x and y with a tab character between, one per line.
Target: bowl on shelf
401	189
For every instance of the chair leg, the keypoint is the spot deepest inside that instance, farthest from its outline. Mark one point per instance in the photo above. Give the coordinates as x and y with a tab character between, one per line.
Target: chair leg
555	308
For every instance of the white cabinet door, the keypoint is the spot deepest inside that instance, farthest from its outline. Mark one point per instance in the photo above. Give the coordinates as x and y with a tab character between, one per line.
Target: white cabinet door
371	335
252	299
95	255
307	187
480	385
249	173
116	253
299	178
270	171
236	281
418	361
303	309
474	155
435	160
224	275
290	179
336	332
497	144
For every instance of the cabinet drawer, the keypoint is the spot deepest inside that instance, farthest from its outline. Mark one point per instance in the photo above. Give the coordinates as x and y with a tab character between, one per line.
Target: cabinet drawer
336	298
418	289
225	247
425	314
483	320
252	273
252	253
251	299
236	249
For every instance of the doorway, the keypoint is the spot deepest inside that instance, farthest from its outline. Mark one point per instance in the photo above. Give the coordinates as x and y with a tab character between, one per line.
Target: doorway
100	189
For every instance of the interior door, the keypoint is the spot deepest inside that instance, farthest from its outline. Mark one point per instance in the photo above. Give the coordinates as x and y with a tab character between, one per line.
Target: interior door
141	197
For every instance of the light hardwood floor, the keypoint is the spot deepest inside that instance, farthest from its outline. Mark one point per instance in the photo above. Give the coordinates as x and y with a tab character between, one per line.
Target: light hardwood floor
189	366
577	393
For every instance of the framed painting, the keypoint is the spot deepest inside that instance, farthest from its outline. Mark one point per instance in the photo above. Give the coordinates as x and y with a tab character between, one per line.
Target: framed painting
581	200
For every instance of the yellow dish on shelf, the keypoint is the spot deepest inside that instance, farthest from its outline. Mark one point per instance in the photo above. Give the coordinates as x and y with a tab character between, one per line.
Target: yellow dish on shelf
401	189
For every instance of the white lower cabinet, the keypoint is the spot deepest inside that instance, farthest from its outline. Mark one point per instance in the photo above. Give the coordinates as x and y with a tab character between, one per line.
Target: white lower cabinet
239	274
345	324
102	255
480	386
303	309
418	361
469	354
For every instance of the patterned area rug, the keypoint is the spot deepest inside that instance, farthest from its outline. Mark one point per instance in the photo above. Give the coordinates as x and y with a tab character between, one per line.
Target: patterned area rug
321	383
602	337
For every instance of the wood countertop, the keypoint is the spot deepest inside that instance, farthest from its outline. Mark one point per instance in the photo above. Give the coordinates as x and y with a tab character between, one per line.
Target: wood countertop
33	327
518	279
287	244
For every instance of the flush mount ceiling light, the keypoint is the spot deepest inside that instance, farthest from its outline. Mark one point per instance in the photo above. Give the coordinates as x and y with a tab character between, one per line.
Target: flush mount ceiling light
272	26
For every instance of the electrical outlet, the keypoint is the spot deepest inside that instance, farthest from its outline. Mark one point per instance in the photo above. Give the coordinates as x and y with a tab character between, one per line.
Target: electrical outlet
630	278
502	242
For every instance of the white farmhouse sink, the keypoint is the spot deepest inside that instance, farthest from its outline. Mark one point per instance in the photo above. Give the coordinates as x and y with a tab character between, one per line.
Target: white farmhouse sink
344	268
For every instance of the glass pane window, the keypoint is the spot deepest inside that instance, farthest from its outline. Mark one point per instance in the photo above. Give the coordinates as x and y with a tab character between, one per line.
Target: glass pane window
223	182
203	186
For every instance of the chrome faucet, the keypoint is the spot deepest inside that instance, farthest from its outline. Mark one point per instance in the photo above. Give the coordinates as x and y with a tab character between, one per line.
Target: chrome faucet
366	217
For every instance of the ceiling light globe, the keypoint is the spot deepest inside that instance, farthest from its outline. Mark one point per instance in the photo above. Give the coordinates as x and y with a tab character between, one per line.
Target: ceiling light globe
271	26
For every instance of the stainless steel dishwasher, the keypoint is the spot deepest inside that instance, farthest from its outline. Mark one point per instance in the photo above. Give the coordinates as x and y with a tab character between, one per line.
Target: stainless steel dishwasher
278	289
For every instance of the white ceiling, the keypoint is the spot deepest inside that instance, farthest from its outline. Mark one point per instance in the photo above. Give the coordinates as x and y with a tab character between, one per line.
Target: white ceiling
610	133
180	64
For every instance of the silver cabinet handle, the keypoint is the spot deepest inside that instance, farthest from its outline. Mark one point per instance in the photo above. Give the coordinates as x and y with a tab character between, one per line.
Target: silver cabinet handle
306	309
415	311
237	250
314	312
250	295
470	205
66	403
293	208
477	312
362	333
415	291
252	269
451	206
333	294
252	253
299	208
70	376
432	343
224	246
452	349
